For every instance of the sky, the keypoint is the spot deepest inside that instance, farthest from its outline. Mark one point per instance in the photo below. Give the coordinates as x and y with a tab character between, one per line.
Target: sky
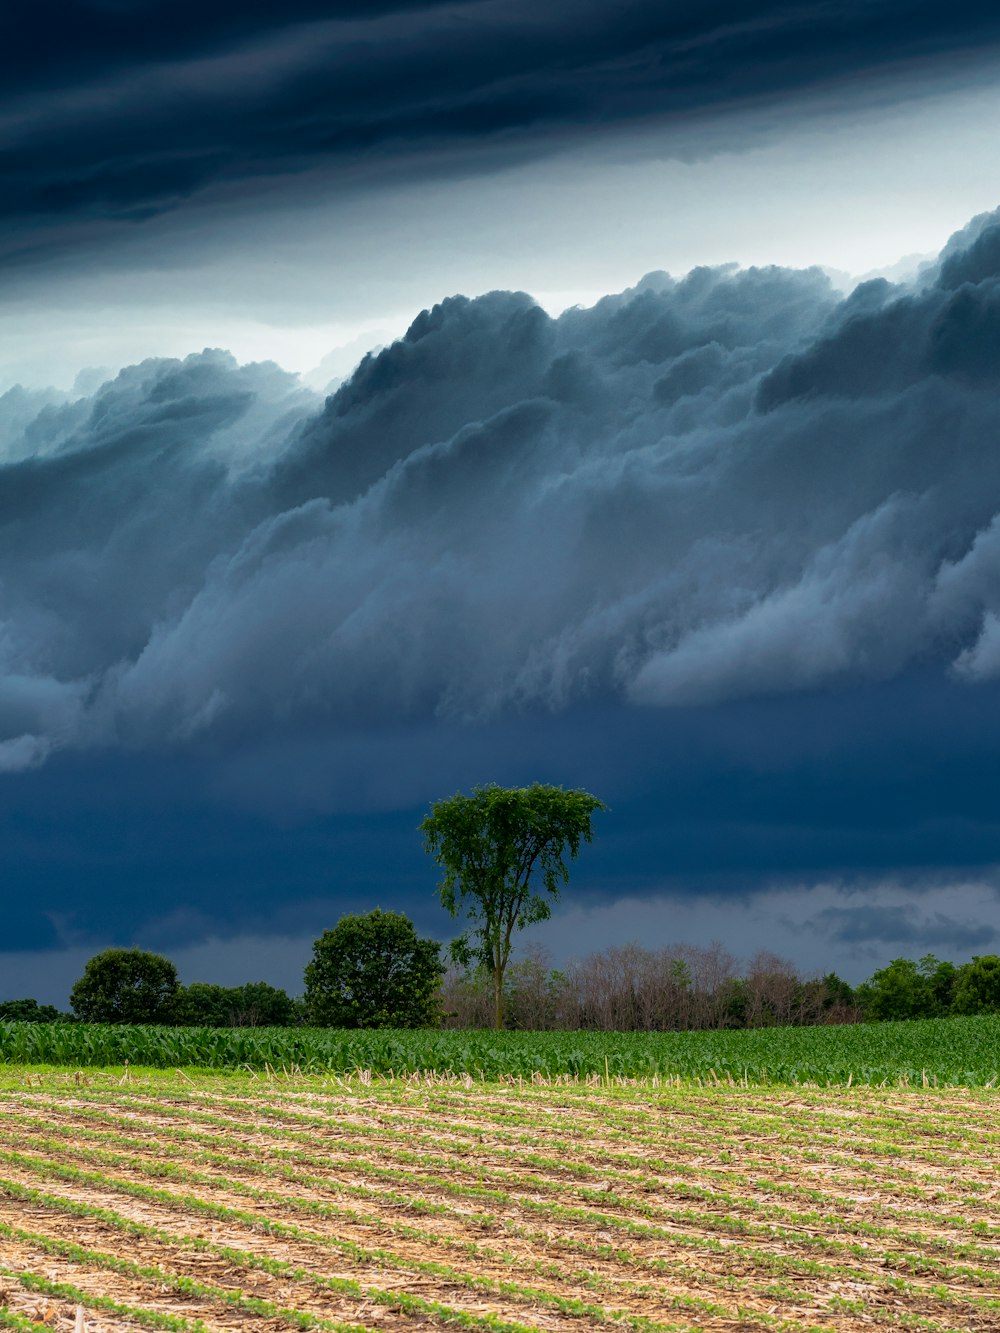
397	397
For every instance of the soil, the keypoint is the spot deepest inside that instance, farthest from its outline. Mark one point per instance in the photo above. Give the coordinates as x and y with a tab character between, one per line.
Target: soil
722	1209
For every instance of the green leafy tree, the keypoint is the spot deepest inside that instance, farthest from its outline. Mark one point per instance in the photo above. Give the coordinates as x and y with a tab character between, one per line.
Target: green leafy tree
942	978
260	1005
126	986
908	989
203	1004
256	1004
837	993
497	848
373	971
977	990
29	1011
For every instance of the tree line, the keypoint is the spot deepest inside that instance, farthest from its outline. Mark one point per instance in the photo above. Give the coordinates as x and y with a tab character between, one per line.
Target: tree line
683	987
374	971
503	854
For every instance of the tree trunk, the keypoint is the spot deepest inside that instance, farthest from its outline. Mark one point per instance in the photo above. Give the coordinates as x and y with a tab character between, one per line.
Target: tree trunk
498	993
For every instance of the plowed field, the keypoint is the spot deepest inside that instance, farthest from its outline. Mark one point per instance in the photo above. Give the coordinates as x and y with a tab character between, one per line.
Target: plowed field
271	1206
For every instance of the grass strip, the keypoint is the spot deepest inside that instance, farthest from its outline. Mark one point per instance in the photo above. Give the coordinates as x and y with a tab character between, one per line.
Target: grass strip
958	1051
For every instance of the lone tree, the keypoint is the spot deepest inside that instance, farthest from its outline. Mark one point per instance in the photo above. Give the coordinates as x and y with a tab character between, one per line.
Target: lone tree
373	971
126	986
496	847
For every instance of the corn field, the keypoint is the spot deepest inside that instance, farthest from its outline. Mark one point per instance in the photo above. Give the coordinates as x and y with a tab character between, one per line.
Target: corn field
959	1052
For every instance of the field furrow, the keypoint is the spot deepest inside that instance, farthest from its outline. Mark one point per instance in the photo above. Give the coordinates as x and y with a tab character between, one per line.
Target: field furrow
401	1205
829	1184
431	1192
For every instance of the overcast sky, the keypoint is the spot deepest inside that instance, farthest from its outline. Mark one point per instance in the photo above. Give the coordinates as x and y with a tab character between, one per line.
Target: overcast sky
655	487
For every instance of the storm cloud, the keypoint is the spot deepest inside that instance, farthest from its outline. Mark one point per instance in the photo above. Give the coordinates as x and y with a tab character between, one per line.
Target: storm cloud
729	485
136	109
724	548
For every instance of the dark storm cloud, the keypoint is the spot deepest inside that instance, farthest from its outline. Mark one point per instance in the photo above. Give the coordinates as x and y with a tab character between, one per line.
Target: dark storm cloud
125	109
725	549
902	925
728	486
700	491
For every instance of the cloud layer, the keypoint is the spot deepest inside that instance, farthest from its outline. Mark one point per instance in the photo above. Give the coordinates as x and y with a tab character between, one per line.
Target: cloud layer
702	490
113	110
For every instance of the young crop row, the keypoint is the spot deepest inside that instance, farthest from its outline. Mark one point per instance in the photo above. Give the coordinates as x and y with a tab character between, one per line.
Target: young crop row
931	1052
302	1159
520	1133
302	1204
517	1141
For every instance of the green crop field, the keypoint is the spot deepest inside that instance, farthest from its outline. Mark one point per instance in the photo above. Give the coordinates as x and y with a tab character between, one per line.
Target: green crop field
209	1202
962	1052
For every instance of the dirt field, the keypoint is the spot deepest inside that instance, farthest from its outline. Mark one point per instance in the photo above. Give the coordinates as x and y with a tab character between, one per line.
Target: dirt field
280	1205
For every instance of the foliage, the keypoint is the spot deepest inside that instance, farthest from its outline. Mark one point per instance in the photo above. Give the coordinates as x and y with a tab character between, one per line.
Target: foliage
678	987
536	997
942	978
977	990
630	988
373	971
30	1011
493	847
253	1005
908	989
941	1051
126	986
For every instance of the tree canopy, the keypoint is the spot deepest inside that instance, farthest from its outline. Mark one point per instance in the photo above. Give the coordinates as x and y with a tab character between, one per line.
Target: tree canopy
373	971
978	987
504	854
909	989
29	1011
255	1004
126	986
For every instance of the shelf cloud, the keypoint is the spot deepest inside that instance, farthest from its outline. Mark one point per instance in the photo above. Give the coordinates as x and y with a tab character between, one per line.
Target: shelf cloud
722	547
705	489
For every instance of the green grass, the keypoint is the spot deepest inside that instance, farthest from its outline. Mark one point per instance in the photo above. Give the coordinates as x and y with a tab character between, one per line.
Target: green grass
961	1052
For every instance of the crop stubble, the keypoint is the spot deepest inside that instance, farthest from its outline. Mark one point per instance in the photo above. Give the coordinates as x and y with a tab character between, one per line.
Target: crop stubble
221	1204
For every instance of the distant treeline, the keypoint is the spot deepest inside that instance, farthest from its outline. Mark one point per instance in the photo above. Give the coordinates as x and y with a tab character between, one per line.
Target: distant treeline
202	1004
630	988
683	988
